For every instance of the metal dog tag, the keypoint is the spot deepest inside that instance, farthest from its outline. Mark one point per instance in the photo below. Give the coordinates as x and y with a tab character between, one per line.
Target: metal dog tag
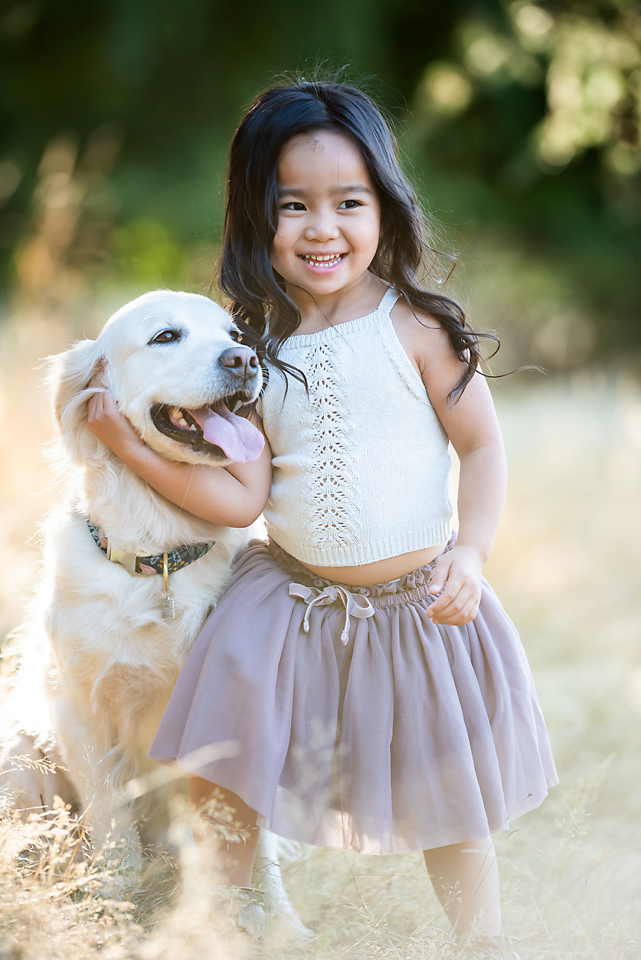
168	608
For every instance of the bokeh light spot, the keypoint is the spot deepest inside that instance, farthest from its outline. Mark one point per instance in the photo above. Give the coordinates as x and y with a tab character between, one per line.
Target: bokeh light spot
485	55
10	177
605	86
532	21
624	159
446	89
565	340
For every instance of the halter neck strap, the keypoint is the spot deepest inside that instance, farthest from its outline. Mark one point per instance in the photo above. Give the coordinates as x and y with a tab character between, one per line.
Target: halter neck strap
389	299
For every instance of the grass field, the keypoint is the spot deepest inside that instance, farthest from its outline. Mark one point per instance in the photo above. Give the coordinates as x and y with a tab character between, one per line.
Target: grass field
566	565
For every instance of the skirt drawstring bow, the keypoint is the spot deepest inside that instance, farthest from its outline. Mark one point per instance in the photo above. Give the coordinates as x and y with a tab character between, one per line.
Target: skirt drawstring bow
356	605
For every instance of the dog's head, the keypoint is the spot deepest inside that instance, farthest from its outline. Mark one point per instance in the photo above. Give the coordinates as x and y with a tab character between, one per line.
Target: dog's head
175	367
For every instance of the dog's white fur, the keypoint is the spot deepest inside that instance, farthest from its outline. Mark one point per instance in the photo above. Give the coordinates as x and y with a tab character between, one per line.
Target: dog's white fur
99	661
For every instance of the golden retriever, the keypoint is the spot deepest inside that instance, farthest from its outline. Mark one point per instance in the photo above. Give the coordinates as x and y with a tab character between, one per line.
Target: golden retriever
101	656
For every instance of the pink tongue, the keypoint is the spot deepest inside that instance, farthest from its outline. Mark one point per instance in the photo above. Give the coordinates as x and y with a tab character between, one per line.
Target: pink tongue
240	440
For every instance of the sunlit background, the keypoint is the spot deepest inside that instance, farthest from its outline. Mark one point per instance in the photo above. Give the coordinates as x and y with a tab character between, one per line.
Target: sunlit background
519	125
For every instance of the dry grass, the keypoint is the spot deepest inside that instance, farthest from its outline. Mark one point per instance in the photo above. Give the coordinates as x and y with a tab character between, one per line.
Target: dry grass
565	565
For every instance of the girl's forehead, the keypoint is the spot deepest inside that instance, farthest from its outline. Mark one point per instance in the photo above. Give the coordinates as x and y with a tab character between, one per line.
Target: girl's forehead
320	150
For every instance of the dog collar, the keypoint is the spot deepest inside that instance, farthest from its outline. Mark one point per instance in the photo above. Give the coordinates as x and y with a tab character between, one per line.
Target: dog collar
143	565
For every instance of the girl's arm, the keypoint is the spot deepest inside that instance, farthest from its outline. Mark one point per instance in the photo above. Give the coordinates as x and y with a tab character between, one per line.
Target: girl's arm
472	427
234	495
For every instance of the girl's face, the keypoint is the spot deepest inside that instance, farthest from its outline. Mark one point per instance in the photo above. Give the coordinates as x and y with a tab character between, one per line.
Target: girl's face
329	215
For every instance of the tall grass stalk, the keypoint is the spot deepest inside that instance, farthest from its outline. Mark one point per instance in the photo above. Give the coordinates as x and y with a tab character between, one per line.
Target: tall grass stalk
566	567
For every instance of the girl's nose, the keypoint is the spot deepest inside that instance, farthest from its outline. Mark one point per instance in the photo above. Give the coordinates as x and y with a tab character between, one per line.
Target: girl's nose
322	228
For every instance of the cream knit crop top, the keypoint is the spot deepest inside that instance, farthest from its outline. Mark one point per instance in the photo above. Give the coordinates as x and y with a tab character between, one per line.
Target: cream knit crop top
361	464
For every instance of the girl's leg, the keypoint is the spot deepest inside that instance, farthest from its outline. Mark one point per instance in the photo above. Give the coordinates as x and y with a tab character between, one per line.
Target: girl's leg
466	881
235	824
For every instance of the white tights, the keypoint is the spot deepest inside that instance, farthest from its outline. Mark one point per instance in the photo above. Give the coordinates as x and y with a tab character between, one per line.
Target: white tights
464	875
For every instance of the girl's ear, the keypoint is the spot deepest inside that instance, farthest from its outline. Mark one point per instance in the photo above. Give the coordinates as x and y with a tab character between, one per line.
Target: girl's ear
73	377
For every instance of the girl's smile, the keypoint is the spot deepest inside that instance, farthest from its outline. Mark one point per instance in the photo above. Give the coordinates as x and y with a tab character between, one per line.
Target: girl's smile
329	218
322	262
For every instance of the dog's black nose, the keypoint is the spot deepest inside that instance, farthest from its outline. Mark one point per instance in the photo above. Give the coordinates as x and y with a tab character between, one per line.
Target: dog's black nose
241	361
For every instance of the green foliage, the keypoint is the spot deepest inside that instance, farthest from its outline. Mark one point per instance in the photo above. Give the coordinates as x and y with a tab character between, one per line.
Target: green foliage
520	122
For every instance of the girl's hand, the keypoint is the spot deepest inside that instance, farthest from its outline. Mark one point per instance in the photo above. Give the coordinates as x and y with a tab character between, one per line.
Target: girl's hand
108	424
457	580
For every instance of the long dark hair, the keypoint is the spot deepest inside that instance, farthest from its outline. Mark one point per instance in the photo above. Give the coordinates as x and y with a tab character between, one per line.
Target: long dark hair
251	217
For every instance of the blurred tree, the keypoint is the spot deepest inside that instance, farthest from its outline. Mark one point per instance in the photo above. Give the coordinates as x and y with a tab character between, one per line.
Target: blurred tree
521	119
529	125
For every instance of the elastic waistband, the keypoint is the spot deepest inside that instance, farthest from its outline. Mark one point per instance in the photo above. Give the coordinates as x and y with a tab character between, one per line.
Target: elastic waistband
407	589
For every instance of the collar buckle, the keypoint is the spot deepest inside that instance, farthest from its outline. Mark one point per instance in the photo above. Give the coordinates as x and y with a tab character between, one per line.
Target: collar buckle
126	558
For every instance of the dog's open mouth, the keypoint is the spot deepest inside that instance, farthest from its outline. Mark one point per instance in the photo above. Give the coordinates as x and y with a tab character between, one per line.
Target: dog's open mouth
209	429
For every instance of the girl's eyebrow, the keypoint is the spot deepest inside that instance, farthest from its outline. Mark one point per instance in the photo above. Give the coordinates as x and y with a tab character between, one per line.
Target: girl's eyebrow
349	188
353	188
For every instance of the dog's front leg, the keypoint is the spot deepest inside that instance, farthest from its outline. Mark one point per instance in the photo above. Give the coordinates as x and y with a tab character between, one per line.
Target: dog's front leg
114	839
107	814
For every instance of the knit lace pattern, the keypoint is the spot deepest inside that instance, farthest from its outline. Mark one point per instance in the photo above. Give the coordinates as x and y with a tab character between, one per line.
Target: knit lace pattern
360	460
330	492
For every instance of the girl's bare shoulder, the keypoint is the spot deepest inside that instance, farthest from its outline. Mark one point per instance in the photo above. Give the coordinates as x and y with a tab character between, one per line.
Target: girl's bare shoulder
424	338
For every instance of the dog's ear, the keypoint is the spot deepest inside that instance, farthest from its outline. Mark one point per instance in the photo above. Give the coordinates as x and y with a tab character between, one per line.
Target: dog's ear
73	377
74	371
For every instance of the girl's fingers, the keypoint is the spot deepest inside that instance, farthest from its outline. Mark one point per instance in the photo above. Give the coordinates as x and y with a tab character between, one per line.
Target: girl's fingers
458	586
106	422
440	587
440	575
447	607
455	604
455	618
450	601
468	613
99	399
109	402
94	408
101	406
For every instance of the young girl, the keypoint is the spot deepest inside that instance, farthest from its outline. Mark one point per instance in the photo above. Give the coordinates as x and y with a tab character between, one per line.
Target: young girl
378	694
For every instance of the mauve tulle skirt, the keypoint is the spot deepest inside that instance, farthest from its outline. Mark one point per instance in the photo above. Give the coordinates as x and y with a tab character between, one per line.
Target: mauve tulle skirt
354	721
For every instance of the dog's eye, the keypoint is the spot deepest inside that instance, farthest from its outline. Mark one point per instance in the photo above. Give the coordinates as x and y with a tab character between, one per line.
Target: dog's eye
166	336
236	335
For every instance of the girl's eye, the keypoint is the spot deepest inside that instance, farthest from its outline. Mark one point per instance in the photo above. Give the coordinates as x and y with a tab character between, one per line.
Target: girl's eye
350	204
166	336
293	205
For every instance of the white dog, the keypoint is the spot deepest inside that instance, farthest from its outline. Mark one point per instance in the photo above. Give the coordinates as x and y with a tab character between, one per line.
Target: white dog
114	627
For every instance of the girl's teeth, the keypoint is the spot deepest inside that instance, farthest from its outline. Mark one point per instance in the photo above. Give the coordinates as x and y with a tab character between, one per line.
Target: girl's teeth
330	258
